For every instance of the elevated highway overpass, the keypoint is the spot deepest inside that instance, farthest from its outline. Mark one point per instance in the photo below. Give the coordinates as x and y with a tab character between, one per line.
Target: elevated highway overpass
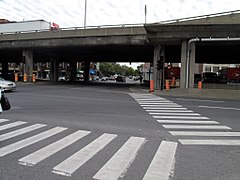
205	39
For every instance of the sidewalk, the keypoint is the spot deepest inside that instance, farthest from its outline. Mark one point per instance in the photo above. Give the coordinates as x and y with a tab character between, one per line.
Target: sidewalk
194	92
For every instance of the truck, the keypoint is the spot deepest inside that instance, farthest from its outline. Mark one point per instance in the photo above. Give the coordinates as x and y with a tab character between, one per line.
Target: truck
229	75
26	26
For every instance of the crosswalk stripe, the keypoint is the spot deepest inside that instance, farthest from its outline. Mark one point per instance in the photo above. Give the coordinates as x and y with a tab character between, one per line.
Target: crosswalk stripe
149	99
163	161
195	127
121	160
200	133
219	142
179	117
71	164
51	149
158	105
154	101
186	122
3	120
20	131
175	114
164	108
29	141
14	124
169	111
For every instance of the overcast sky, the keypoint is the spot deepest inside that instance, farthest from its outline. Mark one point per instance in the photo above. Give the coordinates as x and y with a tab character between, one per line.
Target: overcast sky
70	13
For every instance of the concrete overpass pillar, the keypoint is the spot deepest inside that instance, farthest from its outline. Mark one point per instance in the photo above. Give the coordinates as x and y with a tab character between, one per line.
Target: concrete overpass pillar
158	75
74	71
86	71
54	70
28	60
5	70
192	50
183	74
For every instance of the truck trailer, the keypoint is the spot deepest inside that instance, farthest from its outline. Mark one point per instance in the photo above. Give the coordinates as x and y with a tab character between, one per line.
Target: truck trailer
24	26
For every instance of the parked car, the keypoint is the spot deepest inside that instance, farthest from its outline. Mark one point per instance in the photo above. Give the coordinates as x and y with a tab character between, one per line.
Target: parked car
209	77
120	79
7	85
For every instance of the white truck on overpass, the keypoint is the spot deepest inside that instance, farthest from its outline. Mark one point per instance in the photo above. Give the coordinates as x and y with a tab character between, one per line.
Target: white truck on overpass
26	26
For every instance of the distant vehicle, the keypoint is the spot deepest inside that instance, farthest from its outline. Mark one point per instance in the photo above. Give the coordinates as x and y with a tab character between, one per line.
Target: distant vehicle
229	75
104	78
171	72
7	85
209	77
95	78
63	78
120	79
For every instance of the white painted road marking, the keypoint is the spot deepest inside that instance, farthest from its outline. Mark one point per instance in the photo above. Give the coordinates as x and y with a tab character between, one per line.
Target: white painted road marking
29	141
199	100
8	126
71	164
51	149
205	133
186	122
119	163
157	105
175	114
171	108
210	142
3	120
179	117
195	127
225	108
168	110
20	131
162	164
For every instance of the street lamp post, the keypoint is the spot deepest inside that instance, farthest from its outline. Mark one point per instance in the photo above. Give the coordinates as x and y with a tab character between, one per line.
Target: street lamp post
85	14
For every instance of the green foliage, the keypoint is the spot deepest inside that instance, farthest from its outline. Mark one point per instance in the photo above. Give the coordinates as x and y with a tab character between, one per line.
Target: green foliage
108	69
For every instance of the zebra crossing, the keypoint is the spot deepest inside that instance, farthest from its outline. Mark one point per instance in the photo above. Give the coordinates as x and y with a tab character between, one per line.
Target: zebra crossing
189	127
160	167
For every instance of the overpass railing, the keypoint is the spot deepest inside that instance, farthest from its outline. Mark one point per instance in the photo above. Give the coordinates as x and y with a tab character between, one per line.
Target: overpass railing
199	17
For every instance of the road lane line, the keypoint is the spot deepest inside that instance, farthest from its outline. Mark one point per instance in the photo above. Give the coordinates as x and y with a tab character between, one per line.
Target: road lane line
11	125
162	164
29	141
71	164
205	133
20	131
175	114
45	152
118	164
196	127
179	117
218	142
3	120
186	122
210	107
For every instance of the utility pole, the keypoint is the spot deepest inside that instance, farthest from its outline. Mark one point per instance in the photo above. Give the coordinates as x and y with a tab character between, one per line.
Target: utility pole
145	12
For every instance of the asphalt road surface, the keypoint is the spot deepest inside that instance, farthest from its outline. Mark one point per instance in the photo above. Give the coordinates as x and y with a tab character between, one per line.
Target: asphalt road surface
63	131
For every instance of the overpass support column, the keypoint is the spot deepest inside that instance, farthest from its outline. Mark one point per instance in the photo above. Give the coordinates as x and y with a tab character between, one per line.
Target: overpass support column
5	70
86	71
192	50
183	65
54	70
28	60
158	75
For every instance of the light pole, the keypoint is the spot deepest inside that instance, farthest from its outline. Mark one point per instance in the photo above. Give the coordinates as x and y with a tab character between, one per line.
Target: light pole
85	14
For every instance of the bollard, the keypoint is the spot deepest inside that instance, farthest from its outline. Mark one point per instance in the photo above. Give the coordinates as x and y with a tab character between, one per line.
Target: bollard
167	85
16	77
151	86
25	77
33	78
199	84
173	82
